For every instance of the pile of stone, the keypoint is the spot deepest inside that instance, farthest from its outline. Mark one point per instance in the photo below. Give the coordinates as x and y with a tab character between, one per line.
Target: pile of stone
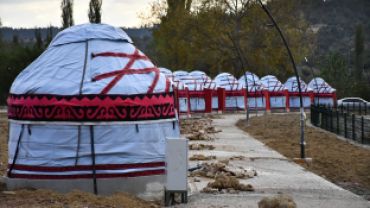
199	136
226	184
201	147
211	170
195	126
202	157
279	200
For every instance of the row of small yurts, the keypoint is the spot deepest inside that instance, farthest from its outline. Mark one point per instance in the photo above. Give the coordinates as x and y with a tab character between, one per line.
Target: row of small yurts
93	113
198	93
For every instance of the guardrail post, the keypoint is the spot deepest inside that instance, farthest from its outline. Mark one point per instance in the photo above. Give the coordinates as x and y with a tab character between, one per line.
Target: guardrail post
359	110
337	122
353	127
362	130
365	108
354	107
345	125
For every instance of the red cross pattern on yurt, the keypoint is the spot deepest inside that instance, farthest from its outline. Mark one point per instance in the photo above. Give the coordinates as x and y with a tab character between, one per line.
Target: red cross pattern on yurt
232	82
118	74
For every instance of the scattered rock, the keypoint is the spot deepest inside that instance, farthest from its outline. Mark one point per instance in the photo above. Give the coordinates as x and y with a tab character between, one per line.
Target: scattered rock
202	157
201	147
196	126
225	161
214	191
224	191
8	192
224	182
277	201
210	170
232	191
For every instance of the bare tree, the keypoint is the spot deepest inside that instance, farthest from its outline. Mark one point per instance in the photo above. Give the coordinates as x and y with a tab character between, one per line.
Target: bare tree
95	11
39	42
67	13
1	35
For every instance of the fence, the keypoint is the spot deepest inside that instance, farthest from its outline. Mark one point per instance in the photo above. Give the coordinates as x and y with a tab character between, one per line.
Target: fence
349	122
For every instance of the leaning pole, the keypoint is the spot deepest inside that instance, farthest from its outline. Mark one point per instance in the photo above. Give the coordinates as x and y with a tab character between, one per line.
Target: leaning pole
302	123
246	81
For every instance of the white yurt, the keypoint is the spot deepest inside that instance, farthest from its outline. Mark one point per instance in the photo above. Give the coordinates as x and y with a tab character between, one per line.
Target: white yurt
207	82
323	92
256	98
196	91
91	113
294	100
277	92
182	89
235	96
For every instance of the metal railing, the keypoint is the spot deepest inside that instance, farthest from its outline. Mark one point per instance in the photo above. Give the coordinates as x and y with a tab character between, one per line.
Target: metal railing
352	123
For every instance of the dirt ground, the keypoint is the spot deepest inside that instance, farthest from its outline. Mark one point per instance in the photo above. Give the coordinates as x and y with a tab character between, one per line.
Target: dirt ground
336	160
47	198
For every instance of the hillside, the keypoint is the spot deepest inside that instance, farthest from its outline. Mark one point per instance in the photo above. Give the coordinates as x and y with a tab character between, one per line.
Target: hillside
29	33
335	22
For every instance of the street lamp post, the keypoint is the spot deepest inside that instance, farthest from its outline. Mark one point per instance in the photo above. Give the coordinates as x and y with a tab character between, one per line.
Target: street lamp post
303	158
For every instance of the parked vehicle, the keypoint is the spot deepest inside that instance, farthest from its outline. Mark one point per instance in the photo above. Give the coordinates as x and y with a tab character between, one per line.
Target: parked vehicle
353	103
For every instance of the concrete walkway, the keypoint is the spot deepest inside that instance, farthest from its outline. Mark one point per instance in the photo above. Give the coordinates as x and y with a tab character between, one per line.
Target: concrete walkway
275	174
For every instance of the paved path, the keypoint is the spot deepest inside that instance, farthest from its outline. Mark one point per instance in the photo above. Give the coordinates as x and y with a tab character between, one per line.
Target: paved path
275	174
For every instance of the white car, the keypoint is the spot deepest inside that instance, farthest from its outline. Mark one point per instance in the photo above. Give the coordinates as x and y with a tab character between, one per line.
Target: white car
351	102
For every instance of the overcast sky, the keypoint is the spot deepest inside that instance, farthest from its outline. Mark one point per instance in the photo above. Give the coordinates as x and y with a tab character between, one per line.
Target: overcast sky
40	13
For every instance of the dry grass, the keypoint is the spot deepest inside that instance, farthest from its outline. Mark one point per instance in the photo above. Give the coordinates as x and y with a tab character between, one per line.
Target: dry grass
338	161
47	198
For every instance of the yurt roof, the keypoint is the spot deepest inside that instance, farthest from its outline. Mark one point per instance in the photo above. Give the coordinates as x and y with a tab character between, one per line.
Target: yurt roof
269	77
204	79
228	81
250	75
180	73
272	84
188	80
253	84
83	32
292	85
70	63
323	87
165	71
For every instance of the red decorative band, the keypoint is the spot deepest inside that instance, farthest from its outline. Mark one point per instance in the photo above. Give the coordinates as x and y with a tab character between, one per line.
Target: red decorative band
214	93
255	94
102	175
86	167
323	95
234	93
91	107
196	94
296	94
182	93
277	94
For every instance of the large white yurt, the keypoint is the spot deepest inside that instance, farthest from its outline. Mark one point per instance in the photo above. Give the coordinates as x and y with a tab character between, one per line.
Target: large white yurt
235	95
323	92
207	82
277	92
256	97
182	89
91	113
196	91
294	100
